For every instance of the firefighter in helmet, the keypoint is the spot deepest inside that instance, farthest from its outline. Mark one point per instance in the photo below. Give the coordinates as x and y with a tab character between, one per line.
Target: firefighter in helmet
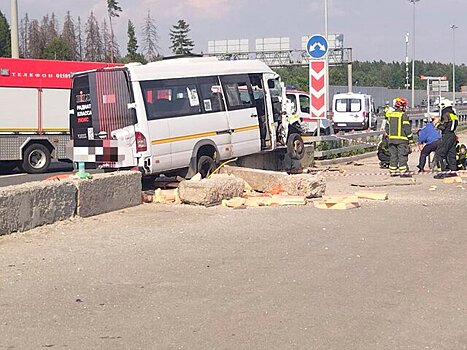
446	151
399	133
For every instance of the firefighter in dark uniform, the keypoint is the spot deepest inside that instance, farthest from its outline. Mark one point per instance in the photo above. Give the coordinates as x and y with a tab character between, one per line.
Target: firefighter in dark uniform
446	151
399	133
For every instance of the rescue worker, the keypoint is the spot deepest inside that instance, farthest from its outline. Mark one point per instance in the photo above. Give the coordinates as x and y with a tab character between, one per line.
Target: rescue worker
428	141
461	157
399	133
446	151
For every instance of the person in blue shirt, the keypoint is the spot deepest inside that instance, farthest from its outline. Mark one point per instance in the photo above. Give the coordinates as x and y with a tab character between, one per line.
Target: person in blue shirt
428	141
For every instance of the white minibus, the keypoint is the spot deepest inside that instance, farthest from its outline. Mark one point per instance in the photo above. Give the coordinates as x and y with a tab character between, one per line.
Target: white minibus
179	115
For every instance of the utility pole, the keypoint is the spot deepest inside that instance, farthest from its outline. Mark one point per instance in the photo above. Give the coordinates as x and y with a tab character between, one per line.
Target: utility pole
413	52
14	28
454	27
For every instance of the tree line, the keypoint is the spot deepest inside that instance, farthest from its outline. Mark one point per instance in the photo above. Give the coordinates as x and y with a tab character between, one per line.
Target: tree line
93	40
378	73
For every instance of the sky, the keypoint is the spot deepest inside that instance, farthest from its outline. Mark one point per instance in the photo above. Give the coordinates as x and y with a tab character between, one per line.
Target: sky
374	29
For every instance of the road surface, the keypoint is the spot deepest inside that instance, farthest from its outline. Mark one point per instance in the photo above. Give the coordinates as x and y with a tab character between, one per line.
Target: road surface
389	275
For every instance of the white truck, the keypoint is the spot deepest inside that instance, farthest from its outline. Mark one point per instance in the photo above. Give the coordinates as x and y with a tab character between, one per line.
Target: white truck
34	109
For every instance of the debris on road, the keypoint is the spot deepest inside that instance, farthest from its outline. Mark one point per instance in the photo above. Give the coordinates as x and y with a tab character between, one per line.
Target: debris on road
385	183
264	201
377	196
338	202
452	180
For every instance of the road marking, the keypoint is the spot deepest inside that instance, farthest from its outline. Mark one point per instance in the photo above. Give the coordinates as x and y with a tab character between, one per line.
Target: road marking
12	175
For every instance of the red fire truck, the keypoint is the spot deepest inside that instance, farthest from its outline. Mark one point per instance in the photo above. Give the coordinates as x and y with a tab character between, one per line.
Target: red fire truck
34	111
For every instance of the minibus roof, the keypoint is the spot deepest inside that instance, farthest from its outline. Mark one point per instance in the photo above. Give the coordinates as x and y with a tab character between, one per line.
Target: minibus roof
194	67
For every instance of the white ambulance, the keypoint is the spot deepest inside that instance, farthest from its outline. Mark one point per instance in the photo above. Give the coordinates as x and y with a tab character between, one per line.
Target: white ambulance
351	111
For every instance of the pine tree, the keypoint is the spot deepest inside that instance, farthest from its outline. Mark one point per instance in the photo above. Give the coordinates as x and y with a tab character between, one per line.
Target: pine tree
69	36
23	37
80	40
106	42
93	46
35	43
5	37
132	46
151	50
113	10
181	44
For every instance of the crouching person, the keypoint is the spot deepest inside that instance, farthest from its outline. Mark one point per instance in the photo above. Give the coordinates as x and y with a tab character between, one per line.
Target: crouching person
428	140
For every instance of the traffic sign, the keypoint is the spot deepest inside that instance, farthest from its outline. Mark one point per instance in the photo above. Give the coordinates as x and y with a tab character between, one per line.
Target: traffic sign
317	46
317	89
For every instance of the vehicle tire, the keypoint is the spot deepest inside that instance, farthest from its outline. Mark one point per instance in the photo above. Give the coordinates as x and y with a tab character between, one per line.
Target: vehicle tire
205	166
8	166
295	147
36	159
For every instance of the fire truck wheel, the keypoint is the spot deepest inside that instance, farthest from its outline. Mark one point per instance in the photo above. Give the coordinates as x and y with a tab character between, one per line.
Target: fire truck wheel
295	147
36	159
206	166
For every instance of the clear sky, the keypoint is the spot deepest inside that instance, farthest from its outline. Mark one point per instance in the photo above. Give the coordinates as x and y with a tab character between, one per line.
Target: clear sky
375	29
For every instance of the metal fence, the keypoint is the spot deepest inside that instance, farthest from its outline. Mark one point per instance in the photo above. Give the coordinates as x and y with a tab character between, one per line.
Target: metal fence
338	145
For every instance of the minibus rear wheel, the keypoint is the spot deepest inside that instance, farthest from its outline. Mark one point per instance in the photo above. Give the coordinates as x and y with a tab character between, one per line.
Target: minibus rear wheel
206	166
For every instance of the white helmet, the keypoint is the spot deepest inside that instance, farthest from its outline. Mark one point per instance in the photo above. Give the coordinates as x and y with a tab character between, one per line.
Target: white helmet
444	103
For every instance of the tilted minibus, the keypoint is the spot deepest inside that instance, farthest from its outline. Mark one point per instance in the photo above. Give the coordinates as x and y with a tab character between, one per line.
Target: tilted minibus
180	116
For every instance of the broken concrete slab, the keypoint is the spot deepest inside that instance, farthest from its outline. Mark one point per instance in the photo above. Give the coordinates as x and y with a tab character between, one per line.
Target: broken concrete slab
108	192
212	191
338	202
386	183
306	185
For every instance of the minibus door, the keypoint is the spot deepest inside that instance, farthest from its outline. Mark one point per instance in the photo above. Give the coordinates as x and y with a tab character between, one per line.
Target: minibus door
242	115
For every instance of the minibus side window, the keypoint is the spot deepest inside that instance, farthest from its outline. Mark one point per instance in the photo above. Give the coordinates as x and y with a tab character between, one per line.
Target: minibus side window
170	98
238	92
211	95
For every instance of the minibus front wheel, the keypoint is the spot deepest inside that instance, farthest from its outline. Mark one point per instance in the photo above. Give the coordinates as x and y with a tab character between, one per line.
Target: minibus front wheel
295	146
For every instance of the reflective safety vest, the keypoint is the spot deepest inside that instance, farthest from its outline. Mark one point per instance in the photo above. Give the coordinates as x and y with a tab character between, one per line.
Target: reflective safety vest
454	121
398	126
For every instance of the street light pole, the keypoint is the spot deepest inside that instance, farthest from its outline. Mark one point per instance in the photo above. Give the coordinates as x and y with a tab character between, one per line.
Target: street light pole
14	28
318	124
454	27
413	52
407	61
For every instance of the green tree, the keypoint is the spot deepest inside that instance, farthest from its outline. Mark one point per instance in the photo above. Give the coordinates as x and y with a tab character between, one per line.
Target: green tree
58	49
69	36
181	44
113	11
5	37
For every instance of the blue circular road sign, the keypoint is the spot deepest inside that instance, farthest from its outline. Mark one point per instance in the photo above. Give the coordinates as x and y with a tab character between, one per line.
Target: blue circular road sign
317	46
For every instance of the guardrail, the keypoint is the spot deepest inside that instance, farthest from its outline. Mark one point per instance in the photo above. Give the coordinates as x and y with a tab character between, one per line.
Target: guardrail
339	144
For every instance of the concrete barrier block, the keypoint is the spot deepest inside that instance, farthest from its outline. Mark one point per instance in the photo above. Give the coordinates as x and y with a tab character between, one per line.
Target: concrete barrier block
108	192
25	206
210	191
307	185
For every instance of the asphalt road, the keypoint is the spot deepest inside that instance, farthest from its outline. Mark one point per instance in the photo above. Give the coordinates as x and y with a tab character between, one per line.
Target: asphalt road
17	176
389	275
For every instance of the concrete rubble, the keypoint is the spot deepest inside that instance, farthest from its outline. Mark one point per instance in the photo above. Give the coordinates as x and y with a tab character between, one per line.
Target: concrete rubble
306	185
210	191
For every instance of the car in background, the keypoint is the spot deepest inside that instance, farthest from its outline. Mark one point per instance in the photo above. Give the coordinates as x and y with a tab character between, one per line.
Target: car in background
301	102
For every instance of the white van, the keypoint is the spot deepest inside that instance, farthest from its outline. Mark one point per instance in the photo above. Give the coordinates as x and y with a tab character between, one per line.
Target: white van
353	112
180	115
301	103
